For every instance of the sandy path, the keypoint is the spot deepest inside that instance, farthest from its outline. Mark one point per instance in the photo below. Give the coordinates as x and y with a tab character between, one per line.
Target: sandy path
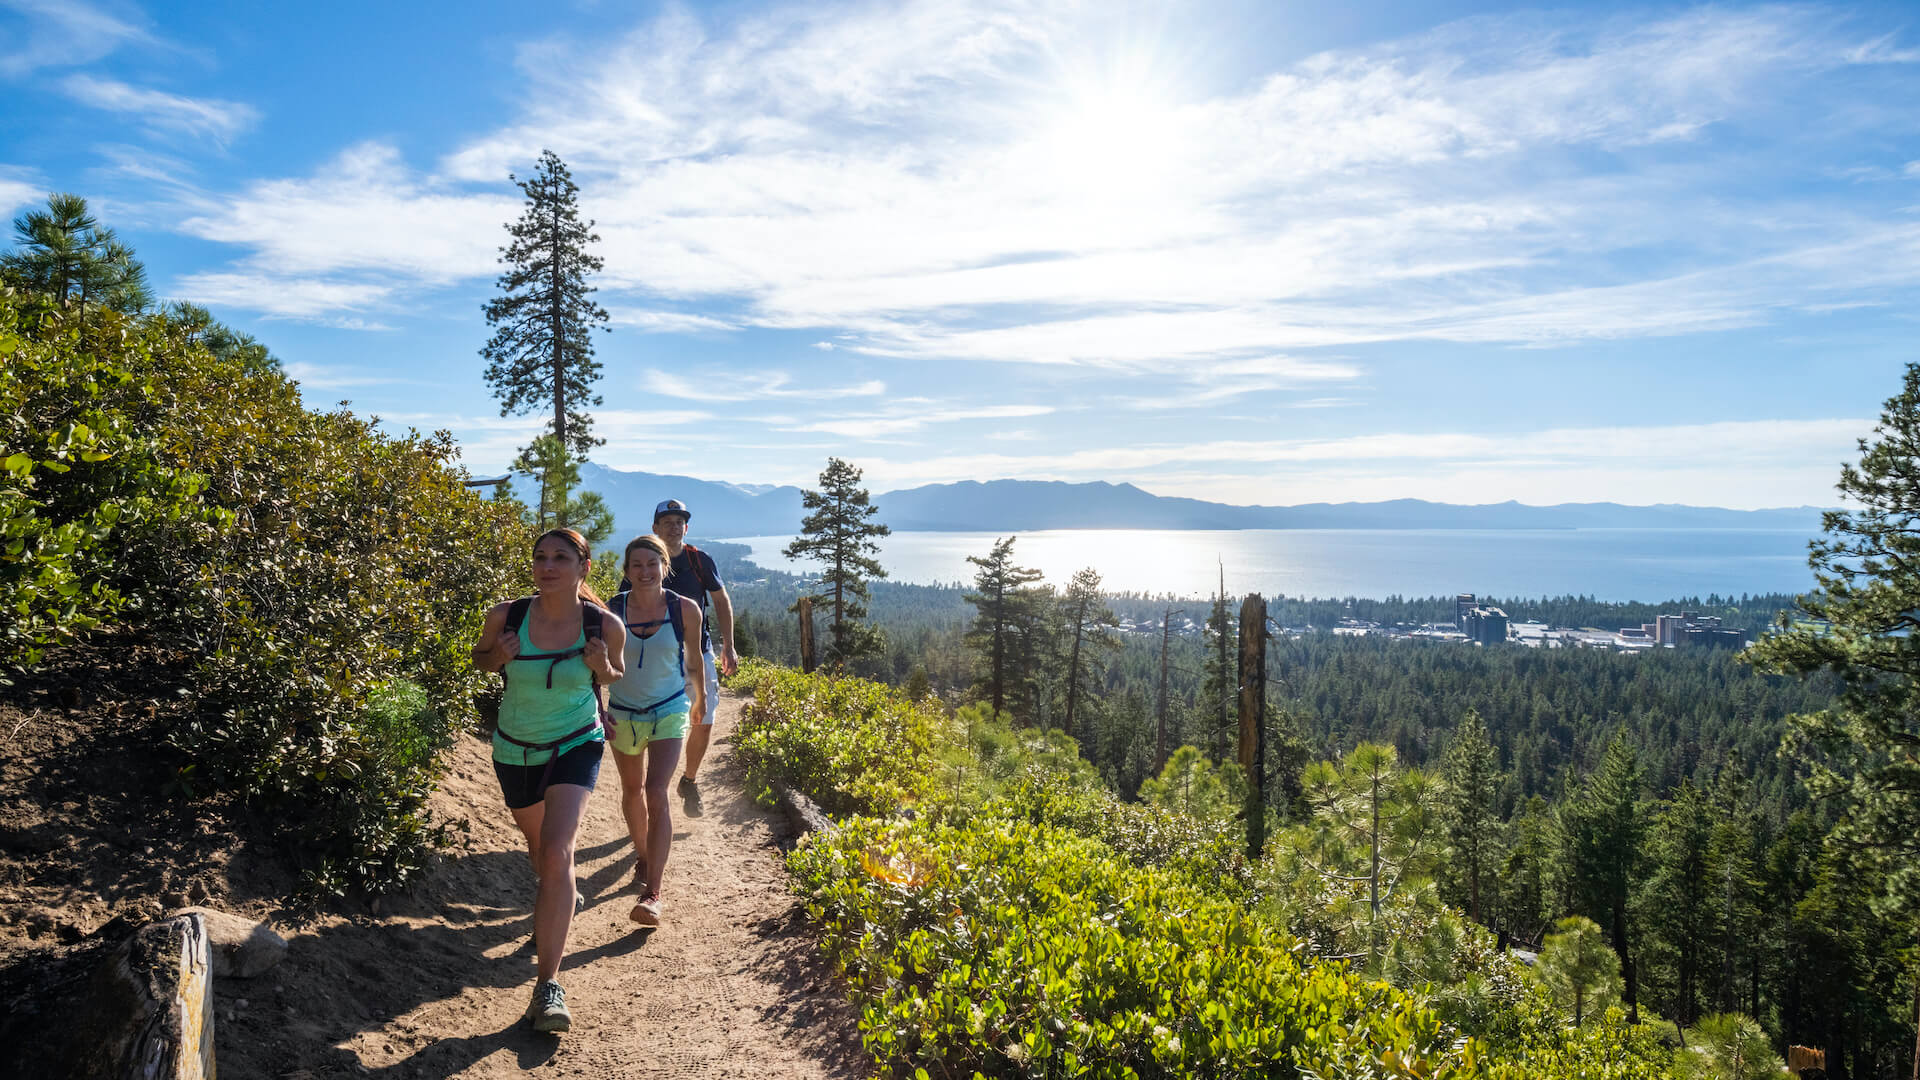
434	986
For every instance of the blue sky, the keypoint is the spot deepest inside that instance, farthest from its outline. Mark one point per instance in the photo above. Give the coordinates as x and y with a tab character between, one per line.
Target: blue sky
1252	252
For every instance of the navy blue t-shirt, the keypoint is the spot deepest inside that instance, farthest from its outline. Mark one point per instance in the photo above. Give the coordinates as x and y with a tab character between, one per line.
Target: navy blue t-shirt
694	578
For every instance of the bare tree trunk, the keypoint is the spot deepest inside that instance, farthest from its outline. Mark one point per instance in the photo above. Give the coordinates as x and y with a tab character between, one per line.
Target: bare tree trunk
1073	666
1253	718
1160	738
805	608
999	650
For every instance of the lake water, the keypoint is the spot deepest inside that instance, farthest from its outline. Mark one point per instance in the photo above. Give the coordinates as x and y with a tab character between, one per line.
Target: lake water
1609	564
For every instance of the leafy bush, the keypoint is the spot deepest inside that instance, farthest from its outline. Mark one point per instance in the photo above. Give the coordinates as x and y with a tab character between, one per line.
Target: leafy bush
79	470
313	562
1012	949
852	746
747	678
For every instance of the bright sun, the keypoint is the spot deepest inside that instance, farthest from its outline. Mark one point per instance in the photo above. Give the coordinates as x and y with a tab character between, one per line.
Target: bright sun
1114	137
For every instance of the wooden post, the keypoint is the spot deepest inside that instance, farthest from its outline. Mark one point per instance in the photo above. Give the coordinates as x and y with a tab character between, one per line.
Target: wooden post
1253	718
805	608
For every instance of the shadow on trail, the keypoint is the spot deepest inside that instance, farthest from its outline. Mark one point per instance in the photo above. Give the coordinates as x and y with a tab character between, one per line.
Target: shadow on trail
365	976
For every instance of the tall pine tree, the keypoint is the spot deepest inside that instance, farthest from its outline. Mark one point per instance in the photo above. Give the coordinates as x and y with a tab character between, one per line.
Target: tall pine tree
542	346
1003	602
1601	830
840	535
1469	781
1864	624
1090	629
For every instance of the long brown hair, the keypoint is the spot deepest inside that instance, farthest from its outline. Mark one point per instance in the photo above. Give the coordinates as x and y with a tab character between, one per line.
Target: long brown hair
579	545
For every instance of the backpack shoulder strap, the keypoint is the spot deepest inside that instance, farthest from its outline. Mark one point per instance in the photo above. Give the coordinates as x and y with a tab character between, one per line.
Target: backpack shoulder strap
517	613
591	613
675	616
696	562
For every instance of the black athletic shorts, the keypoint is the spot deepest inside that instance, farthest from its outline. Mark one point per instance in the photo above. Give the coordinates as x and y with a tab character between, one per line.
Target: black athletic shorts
522	786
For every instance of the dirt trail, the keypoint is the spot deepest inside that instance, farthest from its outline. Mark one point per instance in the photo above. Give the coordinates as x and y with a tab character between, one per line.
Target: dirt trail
434	985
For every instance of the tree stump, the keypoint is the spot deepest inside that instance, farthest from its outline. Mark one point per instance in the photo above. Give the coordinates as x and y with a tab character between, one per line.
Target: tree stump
150	1016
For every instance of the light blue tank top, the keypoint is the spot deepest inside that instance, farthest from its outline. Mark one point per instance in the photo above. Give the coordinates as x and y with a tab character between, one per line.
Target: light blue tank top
532	713
654	672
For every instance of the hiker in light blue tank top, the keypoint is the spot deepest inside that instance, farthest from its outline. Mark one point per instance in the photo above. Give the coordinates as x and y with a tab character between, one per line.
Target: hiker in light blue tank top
649	708
546	750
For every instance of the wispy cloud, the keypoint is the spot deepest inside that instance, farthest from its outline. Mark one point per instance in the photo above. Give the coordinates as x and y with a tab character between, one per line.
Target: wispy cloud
61	33
18	187
932	180
364	212
751	386
338	377
666	322
217	120
295	298
909	416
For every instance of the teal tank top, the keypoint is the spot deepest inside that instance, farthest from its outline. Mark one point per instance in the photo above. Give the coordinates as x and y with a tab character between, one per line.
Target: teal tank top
654	672
532	713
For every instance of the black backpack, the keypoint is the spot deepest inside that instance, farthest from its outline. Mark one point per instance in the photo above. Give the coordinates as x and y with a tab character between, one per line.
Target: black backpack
590	615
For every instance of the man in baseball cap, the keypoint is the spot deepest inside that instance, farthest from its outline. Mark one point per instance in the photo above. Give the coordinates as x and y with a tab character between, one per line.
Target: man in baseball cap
692	574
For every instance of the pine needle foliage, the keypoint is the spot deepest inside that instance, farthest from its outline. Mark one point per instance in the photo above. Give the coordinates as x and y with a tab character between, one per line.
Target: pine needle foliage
840	534
1004	600
542	347
1864	751
64	252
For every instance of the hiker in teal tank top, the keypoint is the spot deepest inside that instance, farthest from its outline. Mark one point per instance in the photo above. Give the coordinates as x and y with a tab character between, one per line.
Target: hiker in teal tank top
546	748
649	707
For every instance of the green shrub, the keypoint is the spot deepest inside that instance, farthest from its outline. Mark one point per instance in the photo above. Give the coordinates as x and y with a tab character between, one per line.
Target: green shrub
746	678
315	564
81	470
852	746
1012	949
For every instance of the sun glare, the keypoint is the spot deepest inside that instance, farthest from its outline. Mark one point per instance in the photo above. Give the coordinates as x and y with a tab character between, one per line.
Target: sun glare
1112	136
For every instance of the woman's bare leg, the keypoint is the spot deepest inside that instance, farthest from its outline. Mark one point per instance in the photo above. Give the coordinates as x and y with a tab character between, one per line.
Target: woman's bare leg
662	757
633	800
553	908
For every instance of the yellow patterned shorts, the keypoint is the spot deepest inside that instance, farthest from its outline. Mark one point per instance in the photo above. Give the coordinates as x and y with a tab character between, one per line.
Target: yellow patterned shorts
631	731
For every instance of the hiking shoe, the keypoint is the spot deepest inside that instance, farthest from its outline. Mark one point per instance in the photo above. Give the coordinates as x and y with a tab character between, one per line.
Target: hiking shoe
548	1010
647	911
690	797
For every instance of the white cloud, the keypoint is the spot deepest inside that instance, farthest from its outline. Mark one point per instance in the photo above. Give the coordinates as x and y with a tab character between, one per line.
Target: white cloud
336	377
932	180
909	417
294	298
666	322
367	212
19	187
62	33
750	386
213	119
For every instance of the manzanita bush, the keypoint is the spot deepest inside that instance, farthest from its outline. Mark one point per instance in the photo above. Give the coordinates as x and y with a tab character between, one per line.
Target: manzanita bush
329	577
1022	921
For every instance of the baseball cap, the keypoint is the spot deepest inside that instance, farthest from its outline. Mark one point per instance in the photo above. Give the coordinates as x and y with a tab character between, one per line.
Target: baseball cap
672	506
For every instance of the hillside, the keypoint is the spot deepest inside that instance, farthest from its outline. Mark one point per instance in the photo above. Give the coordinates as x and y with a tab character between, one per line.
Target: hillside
431	981
724	509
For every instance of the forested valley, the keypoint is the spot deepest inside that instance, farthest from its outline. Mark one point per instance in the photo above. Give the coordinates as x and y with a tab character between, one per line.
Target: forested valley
1646	792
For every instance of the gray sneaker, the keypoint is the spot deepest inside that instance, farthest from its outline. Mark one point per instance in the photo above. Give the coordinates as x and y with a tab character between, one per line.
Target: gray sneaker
548	1010
690	797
